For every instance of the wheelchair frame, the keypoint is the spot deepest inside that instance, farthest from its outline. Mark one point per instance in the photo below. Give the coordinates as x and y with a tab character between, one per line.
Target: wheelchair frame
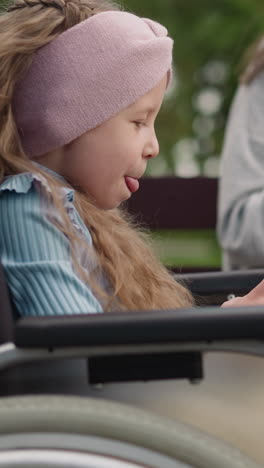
141	345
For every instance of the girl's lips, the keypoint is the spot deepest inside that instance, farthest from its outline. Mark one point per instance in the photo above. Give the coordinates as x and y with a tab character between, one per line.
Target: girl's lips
132	184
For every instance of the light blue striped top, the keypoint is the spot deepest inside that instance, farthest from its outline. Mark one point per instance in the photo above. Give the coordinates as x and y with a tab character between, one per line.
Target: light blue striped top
35	254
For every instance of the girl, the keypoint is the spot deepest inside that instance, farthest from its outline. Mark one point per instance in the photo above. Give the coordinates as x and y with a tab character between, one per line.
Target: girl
81	85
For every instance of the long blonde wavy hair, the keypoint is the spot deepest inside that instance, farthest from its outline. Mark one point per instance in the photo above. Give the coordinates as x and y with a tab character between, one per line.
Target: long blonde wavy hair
137	279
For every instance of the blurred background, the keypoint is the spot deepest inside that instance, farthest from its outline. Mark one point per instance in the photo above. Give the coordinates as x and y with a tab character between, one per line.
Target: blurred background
210	40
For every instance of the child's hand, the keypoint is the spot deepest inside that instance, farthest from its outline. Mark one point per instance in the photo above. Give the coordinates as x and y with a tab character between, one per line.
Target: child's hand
254	298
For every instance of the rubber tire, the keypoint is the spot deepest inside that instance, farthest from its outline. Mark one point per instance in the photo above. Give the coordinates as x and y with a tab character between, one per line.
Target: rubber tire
114	421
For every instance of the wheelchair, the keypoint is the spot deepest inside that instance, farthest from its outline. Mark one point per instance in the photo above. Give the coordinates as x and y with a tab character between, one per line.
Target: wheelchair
52	368
48	364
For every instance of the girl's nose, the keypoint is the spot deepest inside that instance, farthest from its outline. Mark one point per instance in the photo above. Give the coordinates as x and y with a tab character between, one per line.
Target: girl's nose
152	148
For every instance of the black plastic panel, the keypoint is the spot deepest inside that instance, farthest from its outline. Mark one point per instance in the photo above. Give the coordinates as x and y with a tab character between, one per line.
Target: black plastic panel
125	368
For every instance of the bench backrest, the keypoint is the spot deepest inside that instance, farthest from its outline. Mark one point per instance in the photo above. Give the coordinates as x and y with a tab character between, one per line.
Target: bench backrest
180	205
176	202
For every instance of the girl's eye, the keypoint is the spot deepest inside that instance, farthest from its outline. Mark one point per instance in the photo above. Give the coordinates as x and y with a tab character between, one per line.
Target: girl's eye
138	124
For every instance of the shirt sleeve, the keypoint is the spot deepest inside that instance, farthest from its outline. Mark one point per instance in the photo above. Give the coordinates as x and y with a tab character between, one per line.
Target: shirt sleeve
240	224
36	258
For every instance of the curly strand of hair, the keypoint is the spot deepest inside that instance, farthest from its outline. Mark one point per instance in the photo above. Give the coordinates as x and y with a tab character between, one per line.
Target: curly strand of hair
59	5
54	4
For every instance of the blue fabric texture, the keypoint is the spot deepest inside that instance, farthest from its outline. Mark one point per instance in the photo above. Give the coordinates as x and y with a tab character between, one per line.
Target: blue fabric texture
36	255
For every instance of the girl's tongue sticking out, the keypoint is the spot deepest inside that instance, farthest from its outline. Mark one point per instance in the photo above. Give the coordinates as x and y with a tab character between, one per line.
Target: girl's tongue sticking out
132	184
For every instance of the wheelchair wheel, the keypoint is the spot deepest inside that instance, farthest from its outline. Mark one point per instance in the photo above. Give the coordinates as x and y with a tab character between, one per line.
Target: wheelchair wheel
75	432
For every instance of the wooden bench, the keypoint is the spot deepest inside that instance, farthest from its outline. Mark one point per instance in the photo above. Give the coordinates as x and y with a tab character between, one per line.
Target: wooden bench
174	203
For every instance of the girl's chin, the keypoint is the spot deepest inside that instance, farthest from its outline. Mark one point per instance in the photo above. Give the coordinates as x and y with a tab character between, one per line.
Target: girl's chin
111	202
109	206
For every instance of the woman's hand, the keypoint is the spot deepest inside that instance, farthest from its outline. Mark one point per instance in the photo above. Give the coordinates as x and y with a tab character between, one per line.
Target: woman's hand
254	298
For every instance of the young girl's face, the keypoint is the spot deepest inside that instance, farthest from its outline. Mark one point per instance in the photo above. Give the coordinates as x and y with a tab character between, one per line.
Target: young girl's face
107	162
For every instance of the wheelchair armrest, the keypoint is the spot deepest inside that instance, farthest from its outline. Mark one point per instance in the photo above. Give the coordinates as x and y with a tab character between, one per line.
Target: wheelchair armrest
134	328
134	346
224	283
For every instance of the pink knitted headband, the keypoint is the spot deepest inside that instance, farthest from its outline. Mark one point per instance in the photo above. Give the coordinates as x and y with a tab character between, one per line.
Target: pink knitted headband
86	75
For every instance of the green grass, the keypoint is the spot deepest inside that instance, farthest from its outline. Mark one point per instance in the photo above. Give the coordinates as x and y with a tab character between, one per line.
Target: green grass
196	248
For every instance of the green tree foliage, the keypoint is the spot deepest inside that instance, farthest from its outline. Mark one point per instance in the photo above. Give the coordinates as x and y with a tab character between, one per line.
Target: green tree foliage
210	39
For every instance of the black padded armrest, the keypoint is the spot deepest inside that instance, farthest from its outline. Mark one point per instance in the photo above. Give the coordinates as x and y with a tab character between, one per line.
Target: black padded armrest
233	282
161	326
